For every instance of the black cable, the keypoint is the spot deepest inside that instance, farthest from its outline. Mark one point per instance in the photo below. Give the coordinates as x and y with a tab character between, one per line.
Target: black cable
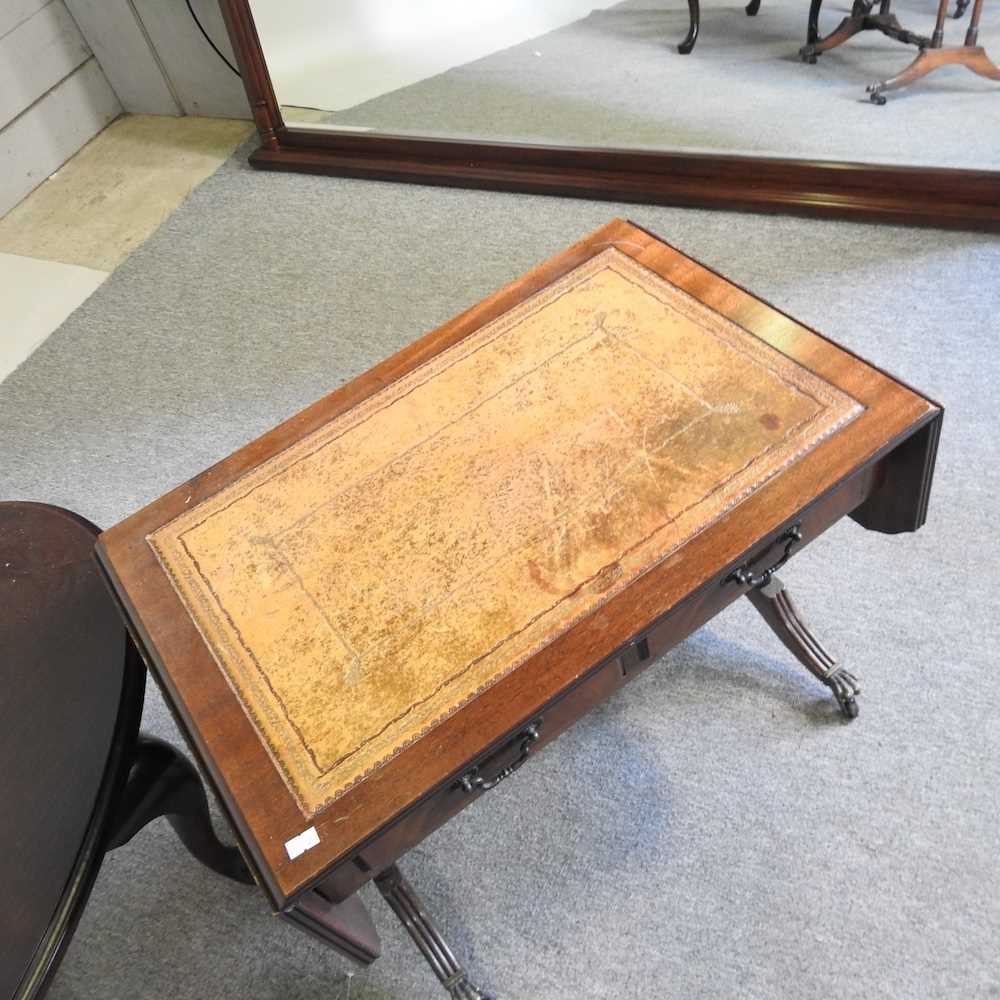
208	38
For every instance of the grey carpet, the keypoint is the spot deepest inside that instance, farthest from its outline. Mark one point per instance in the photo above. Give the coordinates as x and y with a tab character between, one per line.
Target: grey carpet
714	831
615	78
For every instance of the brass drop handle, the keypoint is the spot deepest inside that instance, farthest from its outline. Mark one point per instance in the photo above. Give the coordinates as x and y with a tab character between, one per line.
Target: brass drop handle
473	781
746	578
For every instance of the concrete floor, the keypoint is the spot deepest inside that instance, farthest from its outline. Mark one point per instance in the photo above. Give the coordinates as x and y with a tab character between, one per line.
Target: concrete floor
60	243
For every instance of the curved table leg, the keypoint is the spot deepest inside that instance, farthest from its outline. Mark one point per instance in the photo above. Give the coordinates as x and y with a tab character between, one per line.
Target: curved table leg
812	31
694	10
777	609
970	55
405	903
163	782
848	28
973	58
860	19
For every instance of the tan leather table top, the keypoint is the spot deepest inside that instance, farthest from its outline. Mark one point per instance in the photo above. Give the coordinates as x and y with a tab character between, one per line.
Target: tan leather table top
362	585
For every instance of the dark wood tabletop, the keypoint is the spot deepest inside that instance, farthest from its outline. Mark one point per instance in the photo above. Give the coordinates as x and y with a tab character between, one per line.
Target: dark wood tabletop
69	712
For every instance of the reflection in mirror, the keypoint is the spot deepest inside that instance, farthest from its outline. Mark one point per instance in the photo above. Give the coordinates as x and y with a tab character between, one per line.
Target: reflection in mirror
586	73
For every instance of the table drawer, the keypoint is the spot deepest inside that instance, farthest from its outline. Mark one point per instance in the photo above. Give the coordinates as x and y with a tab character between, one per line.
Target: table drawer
408	831
705	603
497	762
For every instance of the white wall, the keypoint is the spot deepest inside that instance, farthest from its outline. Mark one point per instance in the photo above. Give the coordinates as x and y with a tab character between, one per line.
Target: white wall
53	95
334	54
157	60
125	51
321	53
199	78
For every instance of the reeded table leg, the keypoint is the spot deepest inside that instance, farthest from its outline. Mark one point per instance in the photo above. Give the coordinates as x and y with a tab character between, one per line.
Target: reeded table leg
407	906
776	607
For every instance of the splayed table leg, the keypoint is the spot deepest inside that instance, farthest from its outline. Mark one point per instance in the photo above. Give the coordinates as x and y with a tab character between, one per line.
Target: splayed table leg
405	903
771	599
935	55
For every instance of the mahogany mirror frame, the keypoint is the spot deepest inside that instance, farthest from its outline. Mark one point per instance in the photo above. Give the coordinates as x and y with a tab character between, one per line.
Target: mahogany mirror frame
948	198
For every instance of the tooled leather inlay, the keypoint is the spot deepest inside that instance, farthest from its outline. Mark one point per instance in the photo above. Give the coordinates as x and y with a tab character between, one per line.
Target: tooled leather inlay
362	585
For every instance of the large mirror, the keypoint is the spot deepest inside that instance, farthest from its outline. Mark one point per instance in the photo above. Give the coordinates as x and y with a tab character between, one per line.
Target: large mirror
902	85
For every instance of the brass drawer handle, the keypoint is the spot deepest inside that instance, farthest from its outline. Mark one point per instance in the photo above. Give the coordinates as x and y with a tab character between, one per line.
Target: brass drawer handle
473	781
746	578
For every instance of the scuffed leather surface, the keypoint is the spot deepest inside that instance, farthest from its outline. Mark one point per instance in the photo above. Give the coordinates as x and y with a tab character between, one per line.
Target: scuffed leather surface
364	584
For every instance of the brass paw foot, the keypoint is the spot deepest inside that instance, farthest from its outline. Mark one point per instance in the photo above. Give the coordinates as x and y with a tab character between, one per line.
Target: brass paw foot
846	688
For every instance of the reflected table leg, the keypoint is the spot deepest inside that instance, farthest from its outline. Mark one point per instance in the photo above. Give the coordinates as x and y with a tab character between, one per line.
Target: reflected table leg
935	55
694	10
860	19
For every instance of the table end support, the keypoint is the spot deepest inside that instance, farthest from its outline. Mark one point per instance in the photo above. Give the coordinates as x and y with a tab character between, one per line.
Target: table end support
407	906
775	606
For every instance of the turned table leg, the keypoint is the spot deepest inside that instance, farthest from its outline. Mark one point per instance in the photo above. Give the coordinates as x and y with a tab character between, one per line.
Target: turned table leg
405	903
776	607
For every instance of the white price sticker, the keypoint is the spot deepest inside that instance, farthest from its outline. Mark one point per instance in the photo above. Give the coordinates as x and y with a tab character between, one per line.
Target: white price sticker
303	842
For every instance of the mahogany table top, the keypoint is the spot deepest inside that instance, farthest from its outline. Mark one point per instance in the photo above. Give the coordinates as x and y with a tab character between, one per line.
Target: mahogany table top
357	587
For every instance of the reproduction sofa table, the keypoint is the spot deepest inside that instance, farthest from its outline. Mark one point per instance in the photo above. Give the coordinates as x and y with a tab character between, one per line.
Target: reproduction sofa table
371	615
